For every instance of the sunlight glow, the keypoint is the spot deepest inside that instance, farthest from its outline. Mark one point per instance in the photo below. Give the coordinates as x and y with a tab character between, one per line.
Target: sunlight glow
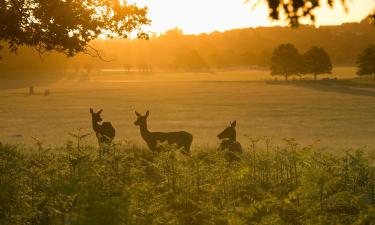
205	16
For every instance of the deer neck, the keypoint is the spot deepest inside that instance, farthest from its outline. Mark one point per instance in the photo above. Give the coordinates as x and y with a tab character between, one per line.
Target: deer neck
96	126
145	133
235	138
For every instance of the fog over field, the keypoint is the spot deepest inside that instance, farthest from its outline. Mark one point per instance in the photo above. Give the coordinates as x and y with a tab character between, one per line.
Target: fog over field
201	103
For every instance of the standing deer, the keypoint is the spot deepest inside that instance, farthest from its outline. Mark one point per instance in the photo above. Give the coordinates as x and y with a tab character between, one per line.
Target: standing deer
104	131
228	139
182	139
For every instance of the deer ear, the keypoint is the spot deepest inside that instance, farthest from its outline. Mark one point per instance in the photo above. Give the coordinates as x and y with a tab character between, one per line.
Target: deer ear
100	111
233	124
137	114
91	111
147	113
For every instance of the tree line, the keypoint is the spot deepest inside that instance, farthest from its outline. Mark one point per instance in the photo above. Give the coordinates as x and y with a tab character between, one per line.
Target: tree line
175	51
286	61
44	26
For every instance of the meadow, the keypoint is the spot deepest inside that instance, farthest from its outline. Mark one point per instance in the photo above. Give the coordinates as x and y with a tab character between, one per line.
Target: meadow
333	116
51	172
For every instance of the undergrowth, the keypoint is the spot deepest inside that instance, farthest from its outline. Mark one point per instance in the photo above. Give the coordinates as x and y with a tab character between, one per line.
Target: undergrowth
129	185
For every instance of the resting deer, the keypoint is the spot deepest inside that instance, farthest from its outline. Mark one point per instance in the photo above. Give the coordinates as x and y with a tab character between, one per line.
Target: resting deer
228	139
182	139
104	131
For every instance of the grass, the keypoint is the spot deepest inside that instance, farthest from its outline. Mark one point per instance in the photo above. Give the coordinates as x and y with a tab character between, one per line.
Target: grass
202	104
286	184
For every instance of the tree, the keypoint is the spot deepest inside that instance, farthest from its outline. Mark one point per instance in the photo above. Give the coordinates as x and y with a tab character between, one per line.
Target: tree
366	62
317	61
191	60
294	10
286	61
67	26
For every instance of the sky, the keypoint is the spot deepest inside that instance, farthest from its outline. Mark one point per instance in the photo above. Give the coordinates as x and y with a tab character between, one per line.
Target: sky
206	16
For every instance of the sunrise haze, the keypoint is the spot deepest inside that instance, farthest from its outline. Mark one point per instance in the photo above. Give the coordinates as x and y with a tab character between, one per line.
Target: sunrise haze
197	16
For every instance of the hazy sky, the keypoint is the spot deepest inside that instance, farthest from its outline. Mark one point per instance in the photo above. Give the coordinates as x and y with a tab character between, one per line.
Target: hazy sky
198	16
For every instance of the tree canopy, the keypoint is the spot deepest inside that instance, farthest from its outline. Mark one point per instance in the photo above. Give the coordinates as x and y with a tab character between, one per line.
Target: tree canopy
67	26
366	62
317	61
294	10
286	61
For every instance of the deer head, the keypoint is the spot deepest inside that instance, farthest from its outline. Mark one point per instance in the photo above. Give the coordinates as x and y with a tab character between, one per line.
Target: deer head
96	118
229	132
141	120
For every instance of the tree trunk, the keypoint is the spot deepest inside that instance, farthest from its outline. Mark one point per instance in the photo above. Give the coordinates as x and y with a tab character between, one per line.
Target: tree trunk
286	76
315	76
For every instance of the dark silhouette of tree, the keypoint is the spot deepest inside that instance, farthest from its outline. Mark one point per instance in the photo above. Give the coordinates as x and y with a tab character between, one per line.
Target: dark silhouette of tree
191	60
317	61
286	61
67	26
235	49
127	67
294	10
366	62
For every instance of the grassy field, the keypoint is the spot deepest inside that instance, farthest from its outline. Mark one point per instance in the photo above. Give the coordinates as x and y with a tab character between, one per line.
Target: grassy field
338	116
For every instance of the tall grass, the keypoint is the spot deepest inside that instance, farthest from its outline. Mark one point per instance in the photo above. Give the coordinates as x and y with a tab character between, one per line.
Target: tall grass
274	185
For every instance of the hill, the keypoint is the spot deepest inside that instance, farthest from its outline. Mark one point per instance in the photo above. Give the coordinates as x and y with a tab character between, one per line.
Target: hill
174	51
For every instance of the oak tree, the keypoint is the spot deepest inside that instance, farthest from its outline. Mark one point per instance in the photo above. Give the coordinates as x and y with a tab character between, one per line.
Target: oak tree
68	26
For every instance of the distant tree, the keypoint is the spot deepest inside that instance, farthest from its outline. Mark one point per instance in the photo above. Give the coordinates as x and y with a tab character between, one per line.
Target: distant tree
191	60
286	61
127	67
294	10
366	62
67	26
316	61
372	17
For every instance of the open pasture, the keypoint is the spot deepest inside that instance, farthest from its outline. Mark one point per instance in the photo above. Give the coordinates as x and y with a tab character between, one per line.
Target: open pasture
202	104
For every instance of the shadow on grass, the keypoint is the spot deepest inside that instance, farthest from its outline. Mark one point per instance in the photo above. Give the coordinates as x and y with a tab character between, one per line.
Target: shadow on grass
358	87
25	79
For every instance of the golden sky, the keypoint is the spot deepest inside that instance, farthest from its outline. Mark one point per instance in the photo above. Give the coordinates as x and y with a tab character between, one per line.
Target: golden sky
205	16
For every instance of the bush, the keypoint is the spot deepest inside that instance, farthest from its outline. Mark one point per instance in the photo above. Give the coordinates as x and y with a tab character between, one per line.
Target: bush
281	185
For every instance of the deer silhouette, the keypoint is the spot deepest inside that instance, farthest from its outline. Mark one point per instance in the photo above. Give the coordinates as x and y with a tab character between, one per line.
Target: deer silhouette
104	131
182	139
228	139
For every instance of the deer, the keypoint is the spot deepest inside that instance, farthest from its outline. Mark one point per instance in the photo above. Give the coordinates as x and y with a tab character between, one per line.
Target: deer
228	139
105	132
182	139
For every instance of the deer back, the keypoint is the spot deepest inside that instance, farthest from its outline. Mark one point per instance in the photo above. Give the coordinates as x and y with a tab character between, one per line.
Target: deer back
180	138
233	146
108	130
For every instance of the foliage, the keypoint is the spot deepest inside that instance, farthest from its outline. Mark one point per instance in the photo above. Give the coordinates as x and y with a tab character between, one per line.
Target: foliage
67	26
366	62
294	10
372	18
286	61
277	185
238	49
317	61
191	61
